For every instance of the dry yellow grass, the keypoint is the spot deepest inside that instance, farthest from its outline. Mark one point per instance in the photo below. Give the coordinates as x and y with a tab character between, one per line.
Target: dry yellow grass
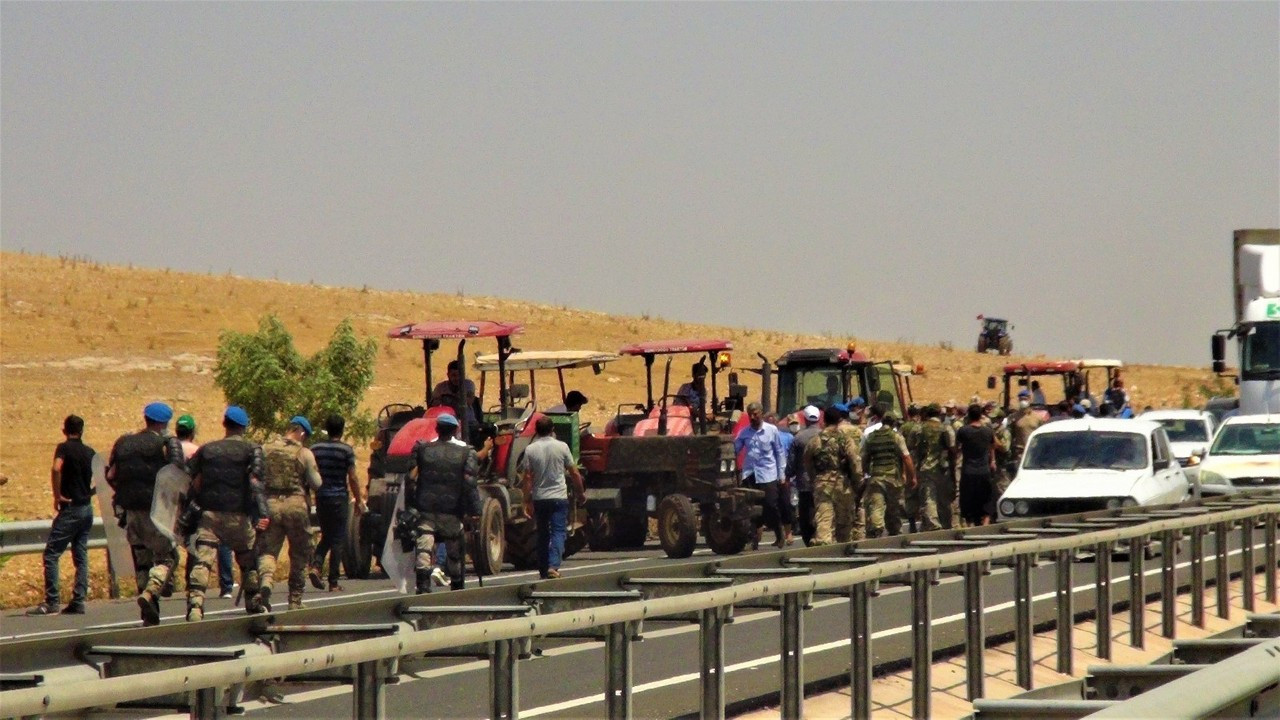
101	341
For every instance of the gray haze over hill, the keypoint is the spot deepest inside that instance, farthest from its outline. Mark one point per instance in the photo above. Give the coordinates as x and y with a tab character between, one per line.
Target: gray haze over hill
884	170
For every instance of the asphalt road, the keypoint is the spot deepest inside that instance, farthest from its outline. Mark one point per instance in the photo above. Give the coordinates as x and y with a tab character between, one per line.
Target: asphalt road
566	678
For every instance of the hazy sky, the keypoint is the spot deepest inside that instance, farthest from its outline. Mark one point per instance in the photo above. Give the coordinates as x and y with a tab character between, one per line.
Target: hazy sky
884	170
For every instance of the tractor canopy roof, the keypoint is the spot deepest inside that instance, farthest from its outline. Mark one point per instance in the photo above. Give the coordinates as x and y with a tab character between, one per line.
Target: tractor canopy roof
545	360
1060	367
454	330
663	347
994	320
1087	363
822	356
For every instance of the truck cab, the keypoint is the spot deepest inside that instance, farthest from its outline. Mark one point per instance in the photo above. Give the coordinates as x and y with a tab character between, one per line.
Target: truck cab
1256	265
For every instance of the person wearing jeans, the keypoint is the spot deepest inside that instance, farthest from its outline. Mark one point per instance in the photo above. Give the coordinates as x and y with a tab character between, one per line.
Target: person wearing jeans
338	484
546	464
71	478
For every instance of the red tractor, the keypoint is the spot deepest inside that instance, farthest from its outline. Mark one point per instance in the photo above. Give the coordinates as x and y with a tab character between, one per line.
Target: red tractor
671	458
506	531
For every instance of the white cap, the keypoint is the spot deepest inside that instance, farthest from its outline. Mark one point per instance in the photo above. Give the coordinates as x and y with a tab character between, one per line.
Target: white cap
812	413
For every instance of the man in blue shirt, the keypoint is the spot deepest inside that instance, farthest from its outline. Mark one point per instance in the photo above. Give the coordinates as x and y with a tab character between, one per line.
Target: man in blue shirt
763	466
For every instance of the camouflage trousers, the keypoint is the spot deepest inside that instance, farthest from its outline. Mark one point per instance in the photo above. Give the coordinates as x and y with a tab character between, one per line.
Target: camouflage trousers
154	554
834	511
233	530
290	520
449	530
885	501
937	491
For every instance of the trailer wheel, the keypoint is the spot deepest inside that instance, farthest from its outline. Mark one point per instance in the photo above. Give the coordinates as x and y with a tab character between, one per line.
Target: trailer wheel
677	525
727	535
489	540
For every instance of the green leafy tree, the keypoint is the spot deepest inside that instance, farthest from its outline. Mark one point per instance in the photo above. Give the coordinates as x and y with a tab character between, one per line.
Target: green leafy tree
265	374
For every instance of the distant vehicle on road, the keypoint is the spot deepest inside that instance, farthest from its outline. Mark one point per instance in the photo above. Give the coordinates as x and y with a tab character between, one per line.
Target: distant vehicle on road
1094	464
1190	432
1245	454
1256	330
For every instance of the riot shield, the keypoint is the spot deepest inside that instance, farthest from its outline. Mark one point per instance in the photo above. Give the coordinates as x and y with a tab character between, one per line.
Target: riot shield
398	564
118	550
172	483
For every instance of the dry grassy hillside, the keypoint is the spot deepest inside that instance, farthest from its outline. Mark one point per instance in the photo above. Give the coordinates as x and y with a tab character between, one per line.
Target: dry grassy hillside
101	341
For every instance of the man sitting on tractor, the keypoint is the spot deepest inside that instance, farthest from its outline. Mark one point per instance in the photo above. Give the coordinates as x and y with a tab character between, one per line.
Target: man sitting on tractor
461	396
693	394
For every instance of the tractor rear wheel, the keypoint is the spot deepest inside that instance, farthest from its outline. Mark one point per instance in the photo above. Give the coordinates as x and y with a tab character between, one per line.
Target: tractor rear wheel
677	525
727	535
982	343
489	540
522	544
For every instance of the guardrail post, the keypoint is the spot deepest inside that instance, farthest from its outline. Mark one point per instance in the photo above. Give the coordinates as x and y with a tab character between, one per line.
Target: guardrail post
1022	618
792	656
618	671
860	645
1102	597
974	629
1221	570
712	670
1269	555
921	643
1246	557
206	705
369	693
504	680
1066	610
1169	583
1137	591
1196	551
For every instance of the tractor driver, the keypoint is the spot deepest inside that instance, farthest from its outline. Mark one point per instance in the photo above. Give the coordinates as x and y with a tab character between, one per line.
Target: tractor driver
458	394
693	394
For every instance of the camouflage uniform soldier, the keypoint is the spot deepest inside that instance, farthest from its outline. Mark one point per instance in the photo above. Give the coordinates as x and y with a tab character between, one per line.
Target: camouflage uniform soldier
1001	478
910	431
226	484
887	460
831	459
291	474
850	428
935	458
131	471
1022	423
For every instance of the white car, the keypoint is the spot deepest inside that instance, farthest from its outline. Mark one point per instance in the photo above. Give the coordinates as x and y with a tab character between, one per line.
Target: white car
1190	432
1090	464
1245	454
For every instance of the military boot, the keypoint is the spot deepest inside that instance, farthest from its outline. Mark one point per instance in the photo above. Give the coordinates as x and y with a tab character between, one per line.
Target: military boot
457	583
195	613
423	579
149	608
295	601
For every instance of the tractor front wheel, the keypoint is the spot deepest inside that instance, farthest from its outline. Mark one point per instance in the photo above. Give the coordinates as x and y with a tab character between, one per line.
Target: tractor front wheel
677	525
1006	345
489	541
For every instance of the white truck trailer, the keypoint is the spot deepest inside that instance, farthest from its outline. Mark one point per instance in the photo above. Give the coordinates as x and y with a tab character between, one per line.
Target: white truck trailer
1256	263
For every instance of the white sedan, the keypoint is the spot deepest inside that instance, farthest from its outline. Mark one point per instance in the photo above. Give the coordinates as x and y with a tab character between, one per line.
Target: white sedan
1245	454
1190	432
1093	464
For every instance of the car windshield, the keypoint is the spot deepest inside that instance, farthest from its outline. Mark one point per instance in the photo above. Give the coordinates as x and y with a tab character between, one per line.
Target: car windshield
1247	439
1087	449
1185	430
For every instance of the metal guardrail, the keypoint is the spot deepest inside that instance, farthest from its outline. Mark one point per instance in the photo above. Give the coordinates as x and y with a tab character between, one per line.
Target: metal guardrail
29	536
702	591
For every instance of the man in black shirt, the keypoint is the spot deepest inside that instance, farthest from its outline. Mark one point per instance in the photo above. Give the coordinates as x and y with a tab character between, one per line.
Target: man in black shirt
977	448
72	481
